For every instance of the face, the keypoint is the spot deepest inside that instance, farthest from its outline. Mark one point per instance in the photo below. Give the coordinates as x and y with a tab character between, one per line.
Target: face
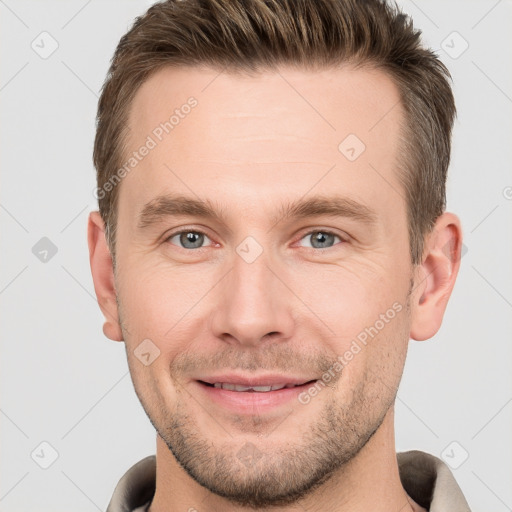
291	267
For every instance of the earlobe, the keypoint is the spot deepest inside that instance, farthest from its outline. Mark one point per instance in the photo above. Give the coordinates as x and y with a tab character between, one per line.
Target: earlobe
103	276
435	277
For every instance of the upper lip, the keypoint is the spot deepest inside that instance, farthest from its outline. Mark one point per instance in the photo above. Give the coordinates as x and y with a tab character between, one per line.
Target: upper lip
260	380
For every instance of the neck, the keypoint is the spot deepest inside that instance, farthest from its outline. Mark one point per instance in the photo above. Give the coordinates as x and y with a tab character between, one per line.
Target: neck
369	481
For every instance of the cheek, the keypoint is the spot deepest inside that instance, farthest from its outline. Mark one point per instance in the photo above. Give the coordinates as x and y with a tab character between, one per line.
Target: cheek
165	309
374	366
349	297
154	387
161	299
363	318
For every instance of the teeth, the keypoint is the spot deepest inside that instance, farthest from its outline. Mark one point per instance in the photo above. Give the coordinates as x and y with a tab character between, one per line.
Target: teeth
260	389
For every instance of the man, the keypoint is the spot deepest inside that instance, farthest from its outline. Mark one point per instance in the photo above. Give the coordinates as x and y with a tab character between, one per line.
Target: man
271	233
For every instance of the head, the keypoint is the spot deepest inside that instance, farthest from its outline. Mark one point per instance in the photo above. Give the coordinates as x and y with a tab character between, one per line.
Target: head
271	184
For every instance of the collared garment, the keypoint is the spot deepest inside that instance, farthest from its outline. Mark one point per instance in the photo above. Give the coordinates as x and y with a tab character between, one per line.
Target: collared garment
425	478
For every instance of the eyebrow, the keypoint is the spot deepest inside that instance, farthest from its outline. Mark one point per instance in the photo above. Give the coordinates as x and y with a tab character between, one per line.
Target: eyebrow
168	205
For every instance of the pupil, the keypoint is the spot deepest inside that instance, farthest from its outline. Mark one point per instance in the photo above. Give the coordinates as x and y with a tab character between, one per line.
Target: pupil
321	239
191	240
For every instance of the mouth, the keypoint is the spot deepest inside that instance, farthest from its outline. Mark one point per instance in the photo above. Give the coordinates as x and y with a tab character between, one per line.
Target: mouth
254	389
252	398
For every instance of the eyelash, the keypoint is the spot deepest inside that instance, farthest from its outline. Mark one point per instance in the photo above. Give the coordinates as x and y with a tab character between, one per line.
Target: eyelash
309	233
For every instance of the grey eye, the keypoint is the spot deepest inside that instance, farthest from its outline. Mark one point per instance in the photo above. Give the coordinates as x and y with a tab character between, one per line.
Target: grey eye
321	239
189	239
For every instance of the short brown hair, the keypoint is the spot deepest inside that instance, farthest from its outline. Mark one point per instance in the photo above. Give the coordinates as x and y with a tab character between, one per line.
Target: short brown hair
255	35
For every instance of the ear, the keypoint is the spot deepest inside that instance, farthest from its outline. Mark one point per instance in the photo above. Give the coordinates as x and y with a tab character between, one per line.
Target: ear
435	277
103	276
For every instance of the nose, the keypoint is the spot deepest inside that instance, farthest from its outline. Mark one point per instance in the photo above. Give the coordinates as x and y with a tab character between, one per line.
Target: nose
253	306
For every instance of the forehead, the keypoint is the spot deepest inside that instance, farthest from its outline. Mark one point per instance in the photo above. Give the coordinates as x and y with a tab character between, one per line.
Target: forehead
332	102
259	136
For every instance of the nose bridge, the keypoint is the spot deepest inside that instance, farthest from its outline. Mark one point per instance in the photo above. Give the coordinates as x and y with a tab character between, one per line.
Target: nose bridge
253	301
252	279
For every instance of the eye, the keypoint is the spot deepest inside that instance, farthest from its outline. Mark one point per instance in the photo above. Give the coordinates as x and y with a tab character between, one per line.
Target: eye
321	239
188	239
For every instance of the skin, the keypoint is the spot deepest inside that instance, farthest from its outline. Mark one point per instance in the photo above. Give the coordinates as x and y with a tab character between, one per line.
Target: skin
251	145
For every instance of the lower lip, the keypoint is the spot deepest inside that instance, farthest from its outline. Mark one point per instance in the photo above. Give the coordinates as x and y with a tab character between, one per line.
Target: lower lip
252	402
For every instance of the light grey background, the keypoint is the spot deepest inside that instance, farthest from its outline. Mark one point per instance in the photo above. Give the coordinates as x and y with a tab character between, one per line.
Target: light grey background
65	384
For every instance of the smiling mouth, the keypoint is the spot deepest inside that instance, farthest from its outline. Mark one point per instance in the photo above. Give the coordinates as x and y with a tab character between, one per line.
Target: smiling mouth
253	389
